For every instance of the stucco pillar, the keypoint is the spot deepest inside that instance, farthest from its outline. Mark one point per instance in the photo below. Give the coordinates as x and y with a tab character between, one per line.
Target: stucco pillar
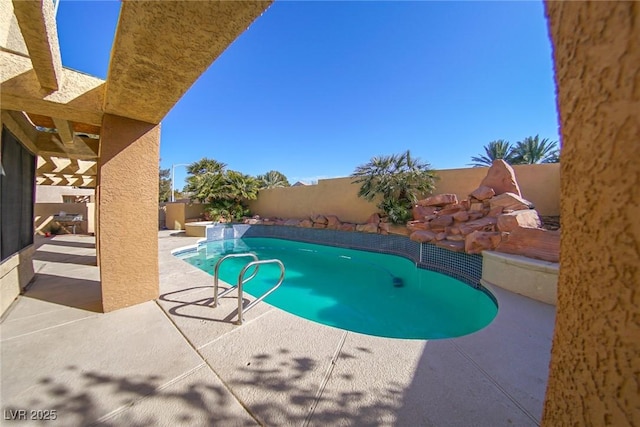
128	212
595	362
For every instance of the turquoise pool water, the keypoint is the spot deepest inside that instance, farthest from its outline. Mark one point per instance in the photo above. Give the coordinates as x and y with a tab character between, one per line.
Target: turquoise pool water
366	292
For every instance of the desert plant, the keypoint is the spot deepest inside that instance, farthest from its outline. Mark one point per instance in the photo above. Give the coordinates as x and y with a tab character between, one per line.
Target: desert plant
273	179
499	149
397	181
532	150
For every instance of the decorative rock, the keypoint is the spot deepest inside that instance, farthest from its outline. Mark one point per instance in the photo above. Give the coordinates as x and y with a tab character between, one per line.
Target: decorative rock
417	225
533	243
483	193
439	200
455	238
475	215
461	216
527	218
476	207
441	236
367	228
495	211
319	219
419	212
306	223
373	219
451	209
451	245
383	228
319	225
441	221
399	229
479	241
422	236
511	201
333	222
292	222
347	226
483	224
501	178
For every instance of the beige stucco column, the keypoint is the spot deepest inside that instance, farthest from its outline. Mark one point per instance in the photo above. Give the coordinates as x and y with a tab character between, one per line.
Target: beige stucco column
595	361
128	211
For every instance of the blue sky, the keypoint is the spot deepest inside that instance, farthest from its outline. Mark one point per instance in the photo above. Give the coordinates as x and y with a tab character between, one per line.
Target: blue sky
313	89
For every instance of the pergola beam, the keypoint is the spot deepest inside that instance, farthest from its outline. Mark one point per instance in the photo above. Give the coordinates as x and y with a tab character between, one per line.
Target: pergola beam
66	180
38	26
65	131
162	47
20	126
48	145
79	99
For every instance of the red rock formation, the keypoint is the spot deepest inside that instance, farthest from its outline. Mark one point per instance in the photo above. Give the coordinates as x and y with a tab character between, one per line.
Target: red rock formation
501	178
422	236
439	200
510	201
525	218
483	193
533	243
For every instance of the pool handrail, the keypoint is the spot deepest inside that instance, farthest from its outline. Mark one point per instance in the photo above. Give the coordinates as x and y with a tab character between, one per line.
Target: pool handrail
215	274
241	282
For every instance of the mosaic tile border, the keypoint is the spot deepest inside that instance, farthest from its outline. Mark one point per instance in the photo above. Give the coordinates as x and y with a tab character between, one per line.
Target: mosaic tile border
464	267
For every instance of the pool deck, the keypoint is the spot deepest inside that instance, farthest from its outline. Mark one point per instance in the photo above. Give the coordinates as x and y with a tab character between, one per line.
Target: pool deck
177	361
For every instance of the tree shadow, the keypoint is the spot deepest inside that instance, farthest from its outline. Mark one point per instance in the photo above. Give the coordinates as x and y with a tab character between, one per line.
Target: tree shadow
94	398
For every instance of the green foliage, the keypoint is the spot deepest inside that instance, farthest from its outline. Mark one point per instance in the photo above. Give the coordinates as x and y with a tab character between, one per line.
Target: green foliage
499	149
164	185
528	151
397	180
534	150
225	210
273	179
224	190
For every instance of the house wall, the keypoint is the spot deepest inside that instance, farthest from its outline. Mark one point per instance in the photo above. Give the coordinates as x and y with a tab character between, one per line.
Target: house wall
595	359
539	184
179	213
44	212
15	273
53	194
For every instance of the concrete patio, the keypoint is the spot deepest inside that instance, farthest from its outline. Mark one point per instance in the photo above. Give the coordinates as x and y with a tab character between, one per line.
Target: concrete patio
176	361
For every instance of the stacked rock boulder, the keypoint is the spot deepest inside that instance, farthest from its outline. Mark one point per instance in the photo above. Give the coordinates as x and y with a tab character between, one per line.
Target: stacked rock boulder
493	217
374	224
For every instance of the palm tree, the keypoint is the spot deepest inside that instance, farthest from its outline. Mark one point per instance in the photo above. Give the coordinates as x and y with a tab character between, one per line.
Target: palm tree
499	149
534	150
397	180
206	180
239	187
273	179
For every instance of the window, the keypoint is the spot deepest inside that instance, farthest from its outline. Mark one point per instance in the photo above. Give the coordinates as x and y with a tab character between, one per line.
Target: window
17	189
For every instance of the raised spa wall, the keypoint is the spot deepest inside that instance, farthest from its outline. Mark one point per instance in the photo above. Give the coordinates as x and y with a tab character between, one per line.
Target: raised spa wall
532	278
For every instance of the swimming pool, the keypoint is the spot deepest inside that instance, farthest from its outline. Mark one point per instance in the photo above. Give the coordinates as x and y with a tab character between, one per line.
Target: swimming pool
366	292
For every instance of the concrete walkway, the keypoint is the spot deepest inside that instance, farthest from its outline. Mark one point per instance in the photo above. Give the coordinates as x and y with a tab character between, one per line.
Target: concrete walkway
177	361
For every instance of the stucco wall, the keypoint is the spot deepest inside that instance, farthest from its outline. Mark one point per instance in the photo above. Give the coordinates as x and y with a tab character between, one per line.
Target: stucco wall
128	209
178	213
15	273
44	212
53	194
595	363
539	183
